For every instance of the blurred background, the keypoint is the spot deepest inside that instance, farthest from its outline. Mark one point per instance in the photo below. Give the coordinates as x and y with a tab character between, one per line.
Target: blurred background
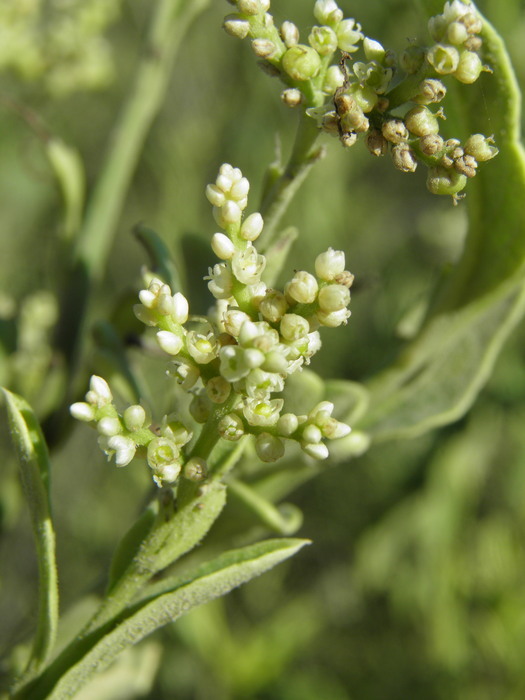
414	586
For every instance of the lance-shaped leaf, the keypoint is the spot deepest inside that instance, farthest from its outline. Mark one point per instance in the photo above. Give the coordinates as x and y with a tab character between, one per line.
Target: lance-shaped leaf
163	603
35	472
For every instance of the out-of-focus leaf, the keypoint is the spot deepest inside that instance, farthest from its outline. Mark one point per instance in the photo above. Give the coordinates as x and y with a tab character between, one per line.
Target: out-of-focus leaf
69	170
160	257
164	603
35	474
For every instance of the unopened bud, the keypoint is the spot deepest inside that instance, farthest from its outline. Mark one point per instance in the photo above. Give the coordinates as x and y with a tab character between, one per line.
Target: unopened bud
376	143
421	121
430	90
445	181
289	34
457	33
404	158
469	67
269	448
195	469
301	62
236	27
249	7
394	130
431	144
291	97
218	389
480	147
264	48
466	165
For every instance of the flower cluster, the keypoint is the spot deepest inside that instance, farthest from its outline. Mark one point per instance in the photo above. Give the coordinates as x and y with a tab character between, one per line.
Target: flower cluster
234	362
385	98
120	435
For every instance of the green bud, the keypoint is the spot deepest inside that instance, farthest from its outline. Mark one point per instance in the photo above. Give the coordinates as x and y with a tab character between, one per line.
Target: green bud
365	96
195	469
445	181
480	147
421	122
301	62
469	67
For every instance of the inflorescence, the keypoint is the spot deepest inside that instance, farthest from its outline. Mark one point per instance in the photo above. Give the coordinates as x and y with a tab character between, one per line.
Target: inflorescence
388	99
236	361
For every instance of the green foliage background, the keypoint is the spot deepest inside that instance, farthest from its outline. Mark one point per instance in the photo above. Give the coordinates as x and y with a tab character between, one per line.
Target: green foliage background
414	586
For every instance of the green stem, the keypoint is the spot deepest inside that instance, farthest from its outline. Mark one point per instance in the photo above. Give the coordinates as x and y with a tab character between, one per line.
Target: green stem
304	154
93	245
285	521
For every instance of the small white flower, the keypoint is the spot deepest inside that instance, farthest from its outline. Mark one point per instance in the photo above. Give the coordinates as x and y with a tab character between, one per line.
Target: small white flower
260	384
348	35
185	373
203	348
221	281
237	362
231	427
124	449
333	319
262	412
248	265
164	459
323	40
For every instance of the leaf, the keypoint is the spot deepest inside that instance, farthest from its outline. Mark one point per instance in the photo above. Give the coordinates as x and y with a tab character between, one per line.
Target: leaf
35	475
69	171
164	603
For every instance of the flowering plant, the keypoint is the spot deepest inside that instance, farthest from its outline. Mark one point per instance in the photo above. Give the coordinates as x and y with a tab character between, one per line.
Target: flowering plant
238	410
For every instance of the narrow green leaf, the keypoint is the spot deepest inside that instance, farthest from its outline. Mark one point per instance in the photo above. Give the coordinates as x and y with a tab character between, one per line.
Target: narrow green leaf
441	374
35	475
69	171
164	603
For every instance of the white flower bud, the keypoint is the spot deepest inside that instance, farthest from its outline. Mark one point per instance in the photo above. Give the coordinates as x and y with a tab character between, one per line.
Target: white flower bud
134	417
457	33
316	450
229	213
249	7
287	424
144	315
124	449
302	288
374	51
240	189
99	393
218	389
327	12
273	306
231	427
312	433
291	97
333	319
469	67
301	62
109	426
236	27
269	448
334	79
164	460
248	265
264	48
233	320
180	308
171	343
222	246
82	411
236	362
215	195
329	264
293	327
289	33
252	226
333	297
